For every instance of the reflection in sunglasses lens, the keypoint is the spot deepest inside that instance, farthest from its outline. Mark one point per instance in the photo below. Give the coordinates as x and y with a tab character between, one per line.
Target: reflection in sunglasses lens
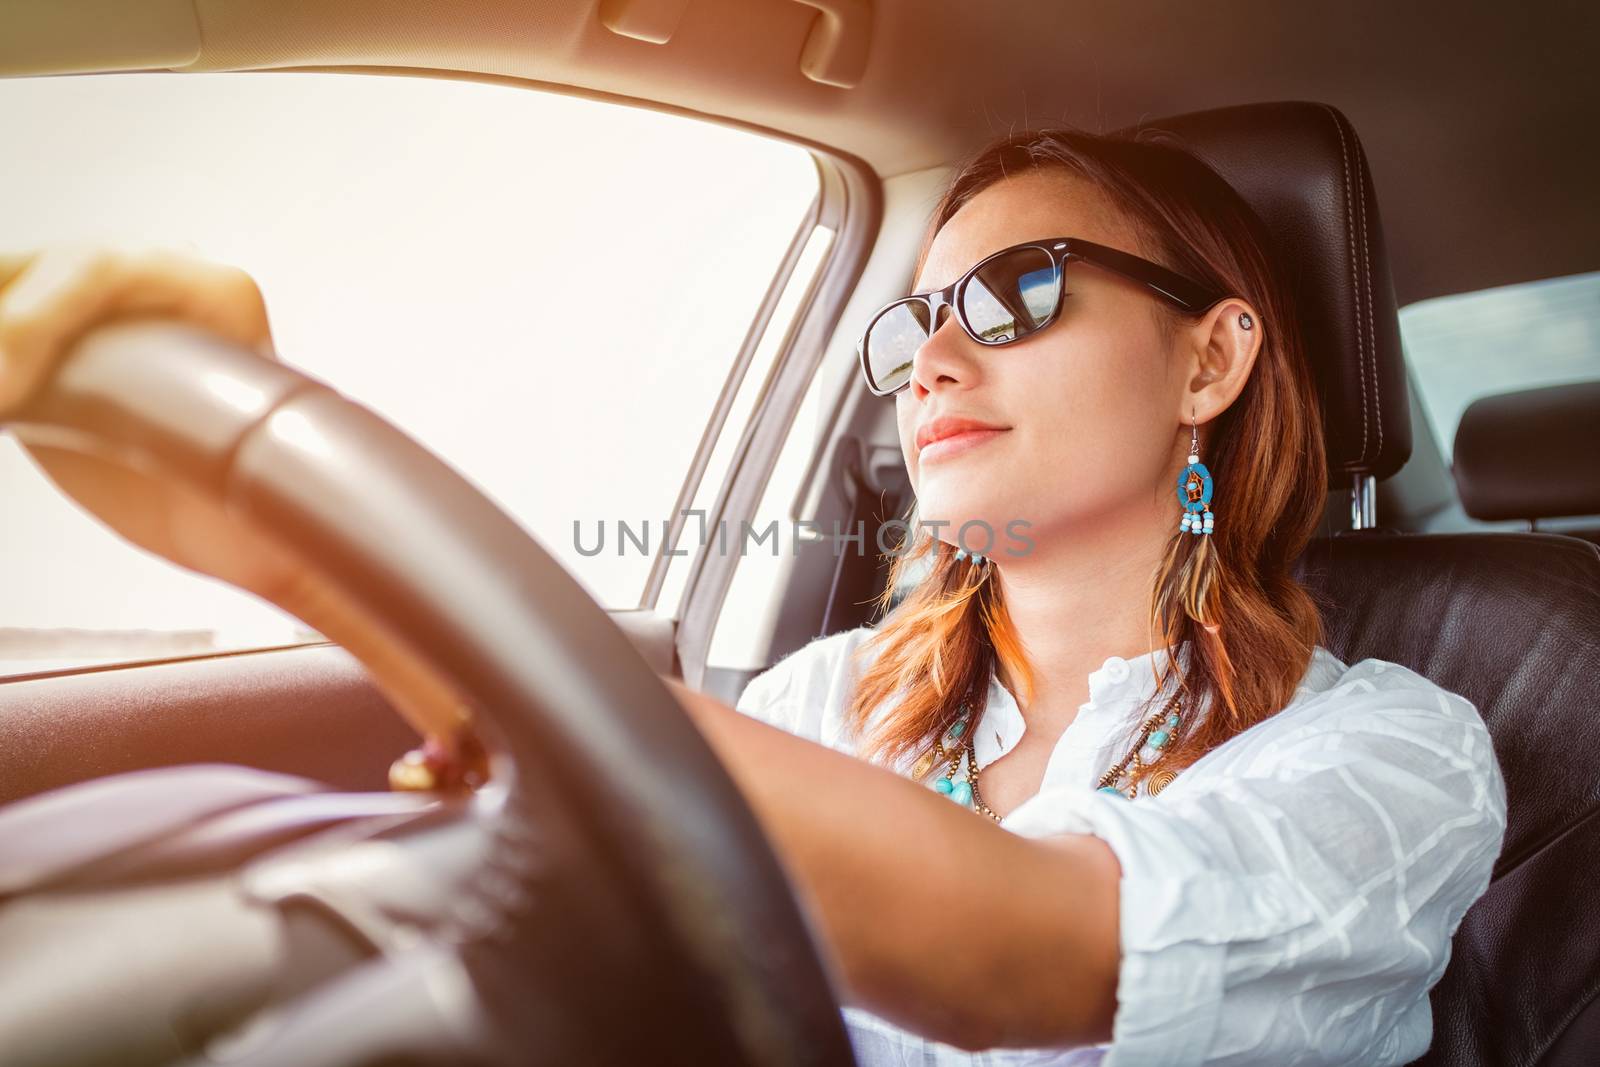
894	339
1011	295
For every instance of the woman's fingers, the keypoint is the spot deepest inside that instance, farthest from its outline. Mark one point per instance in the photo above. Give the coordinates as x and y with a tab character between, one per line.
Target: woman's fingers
11	264
51	298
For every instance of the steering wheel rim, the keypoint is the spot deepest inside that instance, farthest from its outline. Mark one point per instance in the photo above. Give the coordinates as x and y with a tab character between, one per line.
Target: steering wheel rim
439	593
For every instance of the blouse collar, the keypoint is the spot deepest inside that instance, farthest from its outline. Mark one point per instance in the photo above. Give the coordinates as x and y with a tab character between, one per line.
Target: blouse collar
1116	685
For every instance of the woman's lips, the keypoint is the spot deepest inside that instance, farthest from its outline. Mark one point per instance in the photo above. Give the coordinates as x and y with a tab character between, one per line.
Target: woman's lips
955	444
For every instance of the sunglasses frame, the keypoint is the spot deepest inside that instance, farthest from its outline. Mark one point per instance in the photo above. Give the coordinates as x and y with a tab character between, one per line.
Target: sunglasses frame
1183	293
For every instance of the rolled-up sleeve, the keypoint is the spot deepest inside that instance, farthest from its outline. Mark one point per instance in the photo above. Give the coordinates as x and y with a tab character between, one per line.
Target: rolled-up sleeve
1294	901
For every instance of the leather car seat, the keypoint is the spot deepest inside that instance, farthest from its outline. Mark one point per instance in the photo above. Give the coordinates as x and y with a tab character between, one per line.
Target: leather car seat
1511	621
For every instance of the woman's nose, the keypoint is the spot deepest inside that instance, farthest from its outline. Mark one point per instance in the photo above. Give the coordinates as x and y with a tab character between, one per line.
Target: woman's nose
943	357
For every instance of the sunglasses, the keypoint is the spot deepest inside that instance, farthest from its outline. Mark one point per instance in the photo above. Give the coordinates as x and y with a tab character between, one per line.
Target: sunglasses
1007	296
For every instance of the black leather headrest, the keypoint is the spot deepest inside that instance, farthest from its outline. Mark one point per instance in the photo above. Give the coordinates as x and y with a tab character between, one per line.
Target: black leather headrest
1300	166
1530	454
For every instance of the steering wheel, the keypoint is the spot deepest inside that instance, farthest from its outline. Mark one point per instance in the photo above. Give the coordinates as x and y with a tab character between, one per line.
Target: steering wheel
605	895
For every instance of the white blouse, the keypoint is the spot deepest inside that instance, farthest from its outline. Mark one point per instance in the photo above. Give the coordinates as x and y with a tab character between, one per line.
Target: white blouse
1289	898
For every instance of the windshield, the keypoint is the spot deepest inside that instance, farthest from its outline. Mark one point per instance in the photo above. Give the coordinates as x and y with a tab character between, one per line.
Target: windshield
549	292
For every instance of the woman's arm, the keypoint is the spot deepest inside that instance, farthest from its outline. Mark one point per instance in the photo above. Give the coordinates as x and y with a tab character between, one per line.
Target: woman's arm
935	918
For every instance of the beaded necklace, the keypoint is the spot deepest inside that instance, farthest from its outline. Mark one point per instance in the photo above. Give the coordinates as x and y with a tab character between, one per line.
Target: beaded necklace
1155	735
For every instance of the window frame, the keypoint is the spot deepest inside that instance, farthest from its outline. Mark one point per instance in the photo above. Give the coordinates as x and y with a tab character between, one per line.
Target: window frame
717	424
849	202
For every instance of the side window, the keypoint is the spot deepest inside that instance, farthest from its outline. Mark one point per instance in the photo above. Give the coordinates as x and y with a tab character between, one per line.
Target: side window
551	293
1500	340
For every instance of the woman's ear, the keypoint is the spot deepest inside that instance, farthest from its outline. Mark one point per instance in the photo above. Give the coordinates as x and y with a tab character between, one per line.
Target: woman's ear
1222	348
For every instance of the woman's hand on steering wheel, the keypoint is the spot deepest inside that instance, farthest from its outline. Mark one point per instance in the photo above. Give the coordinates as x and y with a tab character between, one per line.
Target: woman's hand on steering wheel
49	301
51	298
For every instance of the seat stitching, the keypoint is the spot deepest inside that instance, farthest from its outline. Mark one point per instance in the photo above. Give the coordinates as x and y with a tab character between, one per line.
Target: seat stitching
1357	216
1364	266
1355	284
1372	313
1570	1016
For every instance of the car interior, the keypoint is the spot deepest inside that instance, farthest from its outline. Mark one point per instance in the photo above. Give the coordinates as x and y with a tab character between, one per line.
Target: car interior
201	856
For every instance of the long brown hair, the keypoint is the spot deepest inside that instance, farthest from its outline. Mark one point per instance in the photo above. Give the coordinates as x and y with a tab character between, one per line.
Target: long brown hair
1251	627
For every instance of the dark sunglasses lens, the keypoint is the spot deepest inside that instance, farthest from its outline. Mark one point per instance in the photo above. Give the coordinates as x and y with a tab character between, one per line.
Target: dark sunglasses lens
894	338
1012	295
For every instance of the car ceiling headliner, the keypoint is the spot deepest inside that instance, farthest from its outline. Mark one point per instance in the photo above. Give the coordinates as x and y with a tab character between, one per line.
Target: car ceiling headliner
1479	119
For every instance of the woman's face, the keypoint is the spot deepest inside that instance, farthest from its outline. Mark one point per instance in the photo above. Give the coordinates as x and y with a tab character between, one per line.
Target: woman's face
1090	405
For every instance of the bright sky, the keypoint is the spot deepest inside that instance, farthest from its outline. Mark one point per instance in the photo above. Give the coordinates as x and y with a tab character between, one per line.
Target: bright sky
546	291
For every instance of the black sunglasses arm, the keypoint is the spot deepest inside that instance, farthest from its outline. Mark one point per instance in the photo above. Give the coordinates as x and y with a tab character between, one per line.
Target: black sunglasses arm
1188	295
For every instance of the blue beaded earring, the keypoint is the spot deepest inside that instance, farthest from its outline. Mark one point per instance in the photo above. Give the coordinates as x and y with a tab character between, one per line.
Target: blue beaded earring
1194	489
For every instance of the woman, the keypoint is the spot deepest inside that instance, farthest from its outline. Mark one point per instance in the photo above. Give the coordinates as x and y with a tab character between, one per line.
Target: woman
1294	840
1161	823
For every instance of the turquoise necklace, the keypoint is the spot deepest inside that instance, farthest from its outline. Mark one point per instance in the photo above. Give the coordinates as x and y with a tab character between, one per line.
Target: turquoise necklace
1155	736
963	791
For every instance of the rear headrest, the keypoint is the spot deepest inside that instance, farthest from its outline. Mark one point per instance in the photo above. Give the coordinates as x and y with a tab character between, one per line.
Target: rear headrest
1300	166
1530	454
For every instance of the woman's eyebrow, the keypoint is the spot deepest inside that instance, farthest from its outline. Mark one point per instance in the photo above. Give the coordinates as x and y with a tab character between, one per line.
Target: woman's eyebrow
959	276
